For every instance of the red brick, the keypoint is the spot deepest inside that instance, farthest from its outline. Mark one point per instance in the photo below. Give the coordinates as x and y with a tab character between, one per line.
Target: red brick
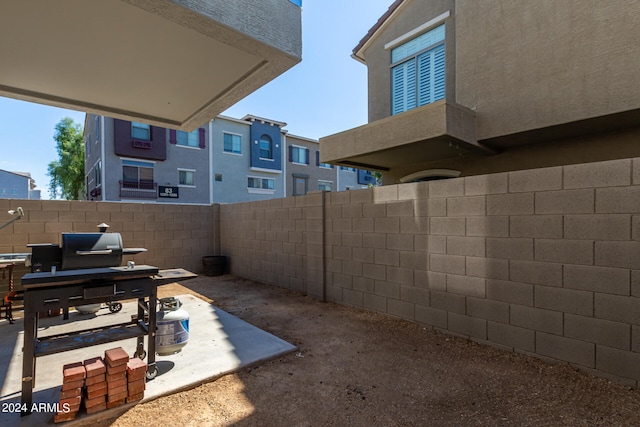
97	386
112	370
61	417
95	380
116	383
75	400
116	376
137	387
73	372
97	408
72	385
73	408
136	366
70	393
142	375
94	366
135	397
116	391
116	356
93	391
115	403
89	403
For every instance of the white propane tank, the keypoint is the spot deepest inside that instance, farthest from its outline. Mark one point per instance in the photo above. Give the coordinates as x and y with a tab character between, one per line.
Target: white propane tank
172	327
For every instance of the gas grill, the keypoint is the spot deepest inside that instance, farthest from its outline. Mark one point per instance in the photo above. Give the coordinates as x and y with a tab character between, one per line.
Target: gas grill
85	270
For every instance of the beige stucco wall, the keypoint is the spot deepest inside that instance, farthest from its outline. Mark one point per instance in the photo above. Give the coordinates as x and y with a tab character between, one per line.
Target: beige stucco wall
524	65
378	59
541	261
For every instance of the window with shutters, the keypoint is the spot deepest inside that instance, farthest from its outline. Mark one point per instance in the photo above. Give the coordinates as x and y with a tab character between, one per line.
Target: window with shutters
299	155
188	139
418	71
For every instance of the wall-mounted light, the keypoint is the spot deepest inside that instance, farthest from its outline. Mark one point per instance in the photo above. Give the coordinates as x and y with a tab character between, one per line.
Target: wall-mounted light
12	212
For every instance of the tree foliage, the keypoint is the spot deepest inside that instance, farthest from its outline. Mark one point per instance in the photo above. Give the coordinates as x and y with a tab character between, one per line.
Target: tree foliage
67	173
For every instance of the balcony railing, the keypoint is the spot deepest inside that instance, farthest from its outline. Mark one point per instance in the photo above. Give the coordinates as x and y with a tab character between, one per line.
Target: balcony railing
138	190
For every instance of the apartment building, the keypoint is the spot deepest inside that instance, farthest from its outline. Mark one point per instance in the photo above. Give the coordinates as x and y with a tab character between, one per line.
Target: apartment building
460	88
17	185
226	160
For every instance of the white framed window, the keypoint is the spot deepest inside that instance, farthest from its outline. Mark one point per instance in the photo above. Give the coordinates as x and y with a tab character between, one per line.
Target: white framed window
266	147
325	165
140	131
232	143
299	155
418	71
325	185
259	185
188	139
348	169
186	178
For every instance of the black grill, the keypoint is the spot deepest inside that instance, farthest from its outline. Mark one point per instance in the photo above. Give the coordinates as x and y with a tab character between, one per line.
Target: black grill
80	251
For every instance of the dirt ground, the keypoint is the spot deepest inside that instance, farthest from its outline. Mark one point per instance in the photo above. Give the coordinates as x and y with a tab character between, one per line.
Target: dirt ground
359	368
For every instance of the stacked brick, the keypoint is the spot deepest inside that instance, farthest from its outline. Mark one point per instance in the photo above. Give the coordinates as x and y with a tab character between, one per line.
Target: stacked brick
73	376
136	379
117	391
96	385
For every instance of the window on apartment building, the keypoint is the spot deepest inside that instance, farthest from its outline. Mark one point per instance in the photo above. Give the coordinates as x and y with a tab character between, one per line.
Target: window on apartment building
140	131
348	169
300	184
298	155
186	177
320	164
266	147
97	173
232	143
97	129
418	71
263	185
188	139
137	175
325	185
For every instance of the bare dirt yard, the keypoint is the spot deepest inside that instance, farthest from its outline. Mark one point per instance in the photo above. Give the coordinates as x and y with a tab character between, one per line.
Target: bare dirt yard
358	368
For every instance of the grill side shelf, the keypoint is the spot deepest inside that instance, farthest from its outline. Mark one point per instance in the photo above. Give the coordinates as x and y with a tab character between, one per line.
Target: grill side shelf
65	277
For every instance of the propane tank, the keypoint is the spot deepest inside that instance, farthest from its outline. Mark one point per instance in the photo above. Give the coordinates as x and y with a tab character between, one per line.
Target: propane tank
172	326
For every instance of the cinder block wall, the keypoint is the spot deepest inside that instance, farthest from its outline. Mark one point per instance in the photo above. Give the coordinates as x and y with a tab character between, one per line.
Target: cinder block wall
278	241
174	235
544	262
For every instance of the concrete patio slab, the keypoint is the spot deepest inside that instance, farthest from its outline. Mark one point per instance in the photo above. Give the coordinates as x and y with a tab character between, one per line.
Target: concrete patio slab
219	343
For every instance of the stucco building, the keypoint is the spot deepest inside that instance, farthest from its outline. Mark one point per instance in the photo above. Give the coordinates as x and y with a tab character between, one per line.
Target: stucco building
17	185
461	88
226	160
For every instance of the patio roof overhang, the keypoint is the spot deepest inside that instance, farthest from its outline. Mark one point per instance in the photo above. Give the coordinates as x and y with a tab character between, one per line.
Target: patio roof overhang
171	63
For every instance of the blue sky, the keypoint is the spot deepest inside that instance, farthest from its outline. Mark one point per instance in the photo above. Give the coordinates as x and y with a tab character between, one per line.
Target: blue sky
324	94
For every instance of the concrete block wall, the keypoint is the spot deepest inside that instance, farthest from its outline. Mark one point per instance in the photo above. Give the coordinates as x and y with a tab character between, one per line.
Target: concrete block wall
544	262
278	241
174	235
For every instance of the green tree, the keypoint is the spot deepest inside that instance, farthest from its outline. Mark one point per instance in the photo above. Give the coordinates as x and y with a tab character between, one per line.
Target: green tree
67	173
